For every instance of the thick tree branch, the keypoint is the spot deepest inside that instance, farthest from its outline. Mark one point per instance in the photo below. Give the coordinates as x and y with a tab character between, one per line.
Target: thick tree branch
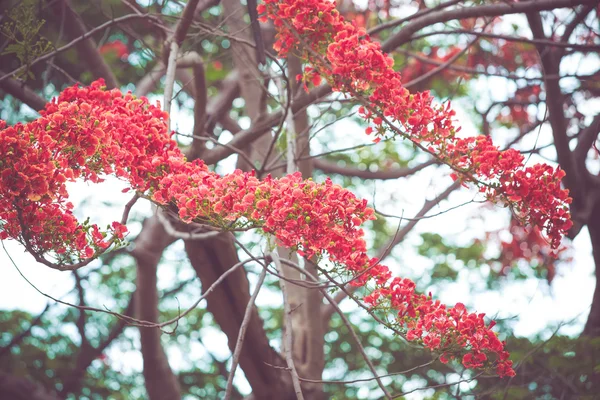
420	13
87	48
227	303
586	139
20	91
18	388
579	18
161	383
489	10
328	310
575	178
264	125
330	167
592	326
251	78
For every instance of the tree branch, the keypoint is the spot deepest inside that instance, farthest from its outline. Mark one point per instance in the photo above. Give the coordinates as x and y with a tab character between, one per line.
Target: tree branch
227	303
242	334
330	167
587	137
161	383
489	10
22	92
575	178
76	41
87	47
288	330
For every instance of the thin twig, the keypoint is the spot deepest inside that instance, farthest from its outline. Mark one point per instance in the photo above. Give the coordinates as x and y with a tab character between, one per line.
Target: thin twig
240	340
354	335
170	80
77	40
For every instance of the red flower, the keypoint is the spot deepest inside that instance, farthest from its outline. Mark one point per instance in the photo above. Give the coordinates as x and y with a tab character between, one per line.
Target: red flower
116	47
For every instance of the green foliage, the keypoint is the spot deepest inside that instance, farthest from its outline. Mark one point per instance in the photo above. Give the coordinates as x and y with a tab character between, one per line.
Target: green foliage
449	258
558	368
23	32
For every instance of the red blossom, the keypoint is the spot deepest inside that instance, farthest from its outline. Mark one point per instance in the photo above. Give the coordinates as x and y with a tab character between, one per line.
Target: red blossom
353	64
117	47
317	219
90	132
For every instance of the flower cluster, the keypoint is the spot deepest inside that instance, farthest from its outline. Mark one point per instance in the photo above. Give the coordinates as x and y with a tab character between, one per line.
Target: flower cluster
444	329
84	133
90	132
353	64
528	245
117	47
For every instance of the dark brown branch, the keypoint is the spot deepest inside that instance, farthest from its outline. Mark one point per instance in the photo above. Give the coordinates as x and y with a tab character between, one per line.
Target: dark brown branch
161	383
418	14
256	32
252	87
332	168
587	137
194	61
488	10
550	59
227	303
81	320
22	92
185	21
19	338
263	126
87	48
76	42
508	38
579	18
18	388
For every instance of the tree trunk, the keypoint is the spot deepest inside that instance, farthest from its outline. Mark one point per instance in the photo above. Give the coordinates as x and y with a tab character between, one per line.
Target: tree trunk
19	388
161	383
227	303
592	326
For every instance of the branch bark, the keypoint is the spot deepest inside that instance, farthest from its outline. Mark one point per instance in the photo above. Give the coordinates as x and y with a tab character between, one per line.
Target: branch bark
227	303
592	325
87	47
22	92
251	79
18	388
329	167
329	310
489	10
161	383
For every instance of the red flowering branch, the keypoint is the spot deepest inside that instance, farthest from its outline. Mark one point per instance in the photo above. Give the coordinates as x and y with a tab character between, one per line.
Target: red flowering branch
352	63
90	132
